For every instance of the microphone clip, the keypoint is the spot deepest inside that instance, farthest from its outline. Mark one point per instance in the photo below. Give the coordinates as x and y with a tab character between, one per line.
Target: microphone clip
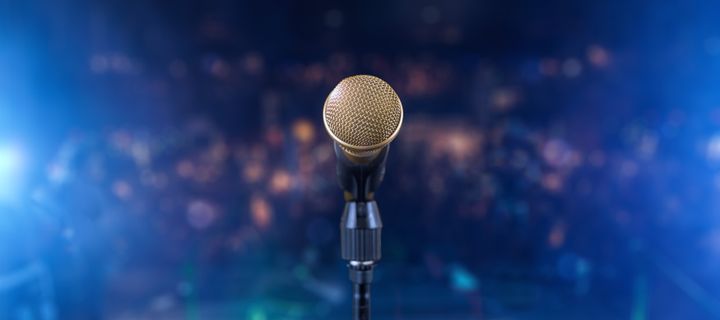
359	178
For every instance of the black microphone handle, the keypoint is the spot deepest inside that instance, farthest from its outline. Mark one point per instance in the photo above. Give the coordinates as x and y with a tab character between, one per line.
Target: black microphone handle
359	180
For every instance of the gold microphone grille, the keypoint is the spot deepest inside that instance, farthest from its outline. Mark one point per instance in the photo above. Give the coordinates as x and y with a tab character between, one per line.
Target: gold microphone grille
363	113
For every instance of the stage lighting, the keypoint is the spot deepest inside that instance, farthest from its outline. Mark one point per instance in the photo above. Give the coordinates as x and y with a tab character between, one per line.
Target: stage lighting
11	165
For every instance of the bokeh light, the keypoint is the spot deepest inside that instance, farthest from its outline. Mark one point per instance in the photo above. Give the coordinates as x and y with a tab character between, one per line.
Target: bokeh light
12	163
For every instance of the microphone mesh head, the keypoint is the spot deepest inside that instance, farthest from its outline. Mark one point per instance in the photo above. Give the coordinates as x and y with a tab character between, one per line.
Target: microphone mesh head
363	114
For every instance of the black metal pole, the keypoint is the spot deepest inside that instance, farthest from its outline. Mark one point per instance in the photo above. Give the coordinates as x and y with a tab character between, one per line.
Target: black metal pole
361	275
361	301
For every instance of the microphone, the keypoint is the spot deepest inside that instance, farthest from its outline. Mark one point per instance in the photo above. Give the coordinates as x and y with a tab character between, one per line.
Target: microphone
362	115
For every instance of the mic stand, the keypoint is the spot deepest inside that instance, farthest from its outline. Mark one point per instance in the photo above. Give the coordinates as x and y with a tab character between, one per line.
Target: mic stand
360	227
360	240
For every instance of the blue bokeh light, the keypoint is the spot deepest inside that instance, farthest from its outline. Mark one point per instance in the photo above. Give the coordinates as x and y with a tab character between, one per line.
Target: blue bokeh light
11	168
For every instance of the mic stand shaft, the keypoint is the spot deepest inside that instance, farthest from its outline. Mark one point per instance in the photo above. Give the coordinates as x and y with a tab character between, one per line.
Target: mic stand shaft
361	276
360	233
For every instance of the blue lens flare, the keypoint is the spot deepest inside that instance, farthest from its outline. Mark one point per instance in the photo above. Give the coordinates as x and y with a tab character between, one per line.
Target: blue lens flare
11	172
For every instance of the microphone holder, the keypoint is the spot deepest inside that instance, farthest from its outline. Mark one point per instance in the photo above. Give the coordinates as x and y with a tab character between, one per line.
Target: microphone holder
361	226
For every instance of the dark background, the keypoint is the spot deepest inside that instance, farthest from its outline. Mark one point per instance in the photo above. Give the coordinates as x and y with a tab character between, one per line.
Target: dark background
167	160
